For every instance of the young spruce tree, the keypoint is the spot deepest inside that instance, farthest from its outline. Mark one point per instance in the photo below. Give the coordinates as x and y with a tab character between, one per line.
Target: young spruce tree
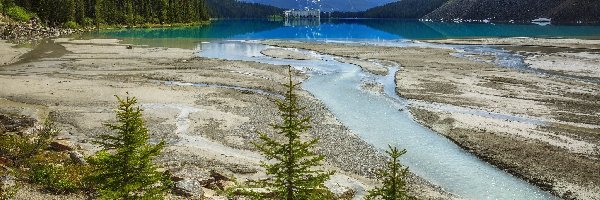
293	173
124	168
393	178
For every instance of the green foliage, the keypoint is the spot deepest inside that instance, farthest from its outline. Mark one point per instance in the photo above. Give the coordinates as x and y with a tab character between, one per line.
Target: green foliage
59	178
238	9
88	22
124	169
18	13
393	178
72	25
22	148
292	170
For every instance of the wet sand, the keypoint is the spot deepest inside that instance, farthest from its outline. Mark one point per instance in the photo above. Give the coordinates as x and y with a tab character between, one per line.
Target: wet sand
73	82
542	127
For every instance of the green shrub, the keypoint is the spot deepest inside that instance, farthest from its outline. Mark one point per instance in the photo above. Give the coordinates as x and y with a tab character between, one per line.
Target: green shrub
72	25
87	22
124	169
21	149
59	178
18	13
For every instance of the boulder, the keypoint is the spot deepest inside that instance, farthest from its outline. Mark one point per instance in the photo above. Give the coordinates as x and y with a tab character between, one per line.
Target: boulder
191	189
62	145
193	173
77	157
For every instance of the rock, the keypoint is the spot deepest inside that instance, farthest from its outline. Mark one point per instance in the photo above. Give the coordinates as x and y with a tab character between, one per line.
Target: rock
192	173
77	157
62	145
7	181
188	188
15	124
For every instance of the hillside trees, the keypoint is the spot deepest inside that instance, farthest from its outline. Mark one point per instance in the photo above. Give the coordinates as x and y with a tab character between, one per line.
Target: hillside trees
114	12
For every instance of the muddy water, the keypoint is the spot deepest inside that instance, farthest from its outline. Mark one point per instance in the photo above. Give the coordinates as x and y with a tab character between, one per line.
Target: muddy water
382	120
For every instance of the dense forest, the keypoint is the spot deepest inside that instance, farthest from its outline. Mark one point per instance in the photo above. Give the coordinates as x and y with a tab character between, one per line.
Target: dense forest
566	11
129	12
410	9
78	13
405	9
520	10
236	9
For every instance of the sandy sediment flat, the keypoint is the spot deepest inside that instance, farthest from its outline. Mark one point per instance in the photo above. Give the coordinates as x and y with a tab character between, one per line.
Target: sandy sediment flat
287	54
207	126
9	53
543	127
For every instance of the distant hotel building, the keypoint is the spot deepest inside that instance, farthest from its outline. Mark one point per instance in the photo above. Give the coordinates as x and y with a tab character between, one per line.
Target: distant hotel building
308	13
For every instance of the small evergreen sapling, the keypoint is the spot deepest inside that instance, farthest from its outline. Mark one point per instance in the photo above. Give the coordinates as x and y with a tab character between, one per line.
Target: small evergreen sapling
292	172
393	178
124	168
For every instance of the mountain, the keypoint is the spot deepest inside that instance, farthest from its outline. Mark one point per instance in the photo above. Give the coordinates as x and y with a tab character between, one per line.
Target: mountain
237	9
519	10
325	5
413	9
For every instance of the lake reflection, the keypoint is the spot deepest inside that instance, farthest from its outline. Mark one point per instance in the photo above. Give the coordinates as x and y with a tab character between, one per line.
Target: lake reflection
353	29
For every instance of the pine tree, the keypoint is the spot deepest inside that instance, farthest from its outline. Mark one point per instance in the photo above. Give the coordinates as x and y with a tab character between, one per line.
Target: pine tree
393	178
124	168
292	172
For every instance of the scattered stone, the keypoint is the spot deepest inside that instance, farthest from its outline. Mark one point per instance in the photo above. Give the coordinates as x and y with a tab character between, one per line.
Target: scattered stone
188	188
77	157
15	124
7	181
192	173
62	145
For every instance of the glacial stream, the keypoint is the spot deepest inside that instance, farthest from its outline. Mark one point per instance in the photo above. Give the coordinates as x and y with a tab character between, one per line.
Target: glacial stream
382	119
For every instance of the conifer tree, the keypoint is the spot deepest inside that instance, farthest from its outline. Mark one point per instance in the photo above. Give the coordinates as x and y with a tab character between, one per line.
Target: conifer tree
124	168
293	173
393	178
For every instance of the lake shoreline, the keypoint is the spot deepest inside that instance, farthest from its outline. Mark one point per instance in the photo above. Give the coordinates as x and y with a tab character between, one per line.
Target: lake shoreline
493	120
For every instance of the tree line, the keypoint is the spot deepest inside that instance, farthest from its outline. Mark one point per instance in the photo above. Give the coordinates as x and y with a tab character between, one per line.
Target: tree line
112	12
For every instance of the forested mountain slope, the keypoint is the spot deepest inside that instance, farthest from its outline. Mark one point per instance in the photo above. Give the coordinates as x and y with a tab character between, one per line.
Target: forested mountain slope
404	9
519	10
325	5
237	9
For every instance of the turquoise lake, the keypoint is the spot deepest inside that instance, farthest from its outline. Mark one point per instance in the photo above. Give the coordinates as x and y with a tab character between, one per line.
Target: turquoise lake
354	29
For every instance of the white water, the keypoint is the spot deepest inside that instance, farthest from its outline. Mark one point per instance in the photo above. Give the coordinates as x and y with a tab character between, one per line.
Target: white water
377	119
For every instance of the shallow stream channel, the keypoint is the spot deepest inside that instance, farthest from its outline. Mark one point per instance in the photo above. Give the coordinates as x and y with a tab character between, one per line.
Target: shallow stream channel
382	119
